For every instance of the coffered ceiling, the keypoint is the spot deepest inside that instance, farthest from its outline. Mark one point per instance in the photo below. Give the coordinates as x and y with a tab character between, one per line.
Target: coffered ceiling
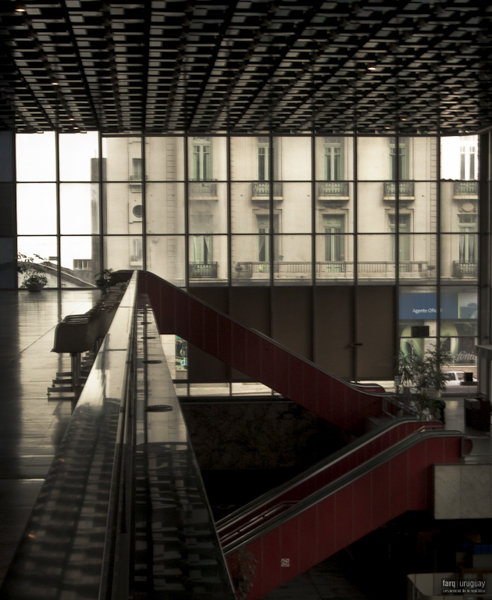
285	66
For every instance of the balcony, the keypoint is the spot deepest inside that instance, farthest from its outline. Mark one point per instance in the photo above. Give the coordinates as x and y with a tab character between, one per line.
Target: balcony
465	189
329	191
260	190
465	269
203	270
406	191
334	270
135	182
202	190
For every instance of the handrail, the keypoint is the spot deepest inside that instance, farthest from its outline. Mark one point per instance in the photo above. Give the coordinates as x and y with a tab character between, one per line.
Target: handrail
81	489
258	356
331	460
333	487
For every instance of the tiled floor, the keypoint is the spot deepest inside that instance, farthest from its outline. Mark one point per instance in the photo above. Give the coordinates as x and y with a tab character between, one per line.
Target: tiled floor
31	427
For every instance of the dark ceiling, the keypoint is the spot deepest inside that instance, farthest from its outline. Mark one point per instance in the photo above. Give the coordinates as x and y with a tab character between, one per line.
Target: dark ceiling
285	66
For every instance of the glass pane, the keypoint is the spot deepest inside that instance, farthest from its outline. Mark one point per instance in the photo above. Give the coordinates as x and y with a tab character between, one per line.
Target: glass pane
79	208
164	158
334	253
7	208
207	158
43	250
334	159
122	208
459	158
165	207
35	157
166	258
122	159
123	252
294	263
79	156
373	158
79	261
250	264
373	207
330	207
295	208
375	264
459	257
208	203
459	205
6	156
207	255
8	272
293	158
417	257
250	158
36	208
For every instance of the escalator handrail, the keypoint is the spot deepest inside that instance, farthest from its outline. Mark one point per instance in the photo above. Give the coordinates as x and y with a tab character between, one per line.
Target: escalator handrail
266	498
335	486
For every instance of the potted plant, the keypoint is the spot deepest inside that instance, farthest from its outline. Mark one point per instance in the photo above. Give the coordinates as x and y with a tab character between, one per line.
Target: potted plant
34	278
106	279
424	379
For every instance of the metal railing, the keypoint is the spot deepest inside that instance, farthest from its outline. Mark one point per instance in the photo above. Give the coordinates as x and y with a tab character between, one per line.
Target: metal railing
333	189
405	189
415	268
202	270
202	188
262	188
466	188
465	269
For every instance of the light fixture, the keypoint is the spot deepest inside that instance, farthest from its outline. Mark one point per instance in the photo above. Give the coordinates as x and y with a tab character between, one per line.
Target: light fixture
19	7
372	68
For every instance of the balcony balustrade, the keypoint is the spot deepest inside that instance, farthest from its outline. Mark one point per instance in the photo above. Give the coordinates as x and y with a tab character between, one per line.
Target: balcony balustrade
328	190
261	190
465	188
465	269
202	189
203	270
332	269
405	190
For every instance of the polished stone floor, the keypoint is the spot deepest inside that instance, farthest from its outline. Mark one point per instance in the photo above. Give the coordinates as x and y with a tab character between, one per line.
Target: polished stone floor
31	427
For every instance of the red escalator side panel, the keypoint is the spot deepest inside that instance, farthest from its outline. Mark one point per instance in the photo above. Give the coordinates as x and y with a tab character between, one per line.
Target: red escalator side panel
400	484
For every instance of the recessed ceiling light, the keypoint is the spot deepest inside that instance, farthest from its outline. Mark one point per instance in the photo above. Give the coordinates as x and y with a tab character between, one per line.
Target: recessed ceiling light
372	68
19	7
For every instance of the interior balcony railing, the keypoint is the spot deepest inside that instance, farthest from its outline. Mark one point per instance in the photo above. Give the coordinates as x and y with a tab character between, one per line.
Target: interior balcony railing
123	512
261	190
465	269
203	270
405	190
465	188
328	190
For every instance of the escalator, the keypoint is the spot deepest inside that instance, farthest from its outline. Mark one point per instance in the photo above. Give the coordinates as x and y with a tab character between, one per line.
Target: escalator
336	502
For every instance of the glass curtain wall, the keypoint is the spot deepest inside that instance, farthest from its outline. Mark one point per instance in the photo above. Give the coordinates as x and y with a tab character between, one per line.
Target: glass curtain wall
264	210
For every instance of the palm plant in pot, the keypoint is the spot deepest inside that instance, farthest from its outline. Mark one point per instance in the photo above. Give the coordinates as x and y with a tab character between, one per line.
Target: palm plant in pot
425	379
34	278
